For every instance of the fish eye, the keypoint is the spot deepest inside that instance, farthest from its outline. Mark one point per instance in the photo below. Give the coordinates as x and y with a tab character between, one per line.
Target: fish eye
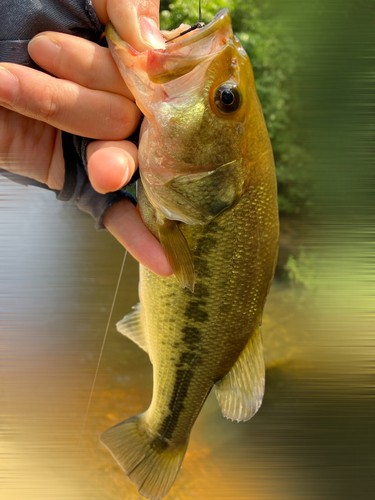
227	97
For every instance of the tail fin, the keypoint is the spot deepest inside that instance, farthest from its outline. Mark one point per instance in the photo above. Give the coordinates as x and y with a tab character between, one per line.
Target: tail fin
150	463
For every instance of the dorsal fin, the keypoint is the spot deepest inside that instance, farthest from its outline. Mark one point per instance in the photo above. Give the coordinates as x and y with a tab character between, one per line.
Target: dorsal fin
131	327
240	392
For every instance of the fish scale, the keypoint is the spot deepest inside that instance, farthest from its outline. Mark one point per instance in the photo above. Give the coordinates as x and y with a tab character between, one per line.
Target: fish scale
208	193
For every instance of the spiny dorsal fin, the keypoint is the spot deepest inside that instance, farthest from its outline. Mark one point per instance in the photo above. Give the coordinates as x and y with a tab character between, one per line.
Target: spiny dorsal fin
131	327
177	251
240	392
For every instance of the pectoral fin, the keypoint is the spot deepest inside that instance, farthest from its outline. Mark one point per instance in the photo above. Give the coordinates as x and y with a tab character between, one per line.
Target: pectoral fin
240	392
131	327
177	251
198	198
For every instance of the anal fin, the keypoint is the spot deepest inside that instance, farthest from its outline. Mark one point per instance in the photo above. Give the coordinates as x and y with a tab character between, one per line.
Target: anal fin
131	327
240	392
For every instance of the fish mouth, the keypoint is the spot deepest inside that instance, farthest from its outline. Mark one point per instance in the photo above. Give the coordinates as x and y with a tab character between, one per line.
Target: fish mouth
179	57
220	21
184	53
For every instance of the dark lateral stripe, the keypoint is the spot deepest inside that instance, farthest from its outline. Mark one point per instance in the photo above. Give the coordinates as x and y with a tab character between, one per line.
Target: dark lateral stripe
188	359
194	312
176	405
191	340
192	337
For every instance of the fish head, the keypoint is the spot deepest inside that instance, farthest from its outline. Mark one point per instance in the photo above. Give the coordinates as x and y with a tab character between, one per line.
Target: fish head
199	99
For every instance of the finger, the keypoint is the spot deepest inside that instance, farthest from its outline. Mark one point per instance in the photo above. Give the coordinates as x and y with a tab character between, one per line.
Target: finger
126	225
31	148
79	61
67	105
111	165
137	23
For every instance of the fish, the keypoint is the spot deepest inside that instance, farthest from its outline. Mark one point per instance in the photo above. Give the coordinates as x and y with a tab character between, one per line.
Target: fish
208	193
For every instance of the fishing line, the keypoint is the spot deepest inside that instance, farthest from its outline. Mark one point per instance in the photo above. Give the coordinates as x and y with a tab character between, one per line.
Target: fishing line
102	349
192	28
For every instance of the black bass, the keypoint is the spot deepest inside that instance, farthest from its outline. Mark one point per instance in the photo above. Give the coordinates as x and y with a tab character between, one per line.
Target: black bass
208	193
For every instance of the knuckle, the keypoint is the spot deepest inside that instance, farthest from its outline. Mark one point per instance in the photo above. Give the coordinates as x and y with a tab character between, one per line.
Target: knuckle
91	75
48	109
123	116
115	117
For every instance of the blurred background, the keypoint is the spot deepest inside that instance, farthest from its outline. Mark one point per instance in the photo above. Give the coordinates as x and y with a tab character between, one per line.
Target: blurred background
314	437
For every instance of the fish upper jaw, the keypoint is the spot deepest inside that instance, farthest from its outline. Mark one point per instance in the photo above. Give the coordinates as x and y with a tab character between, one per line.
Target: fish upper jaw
183	54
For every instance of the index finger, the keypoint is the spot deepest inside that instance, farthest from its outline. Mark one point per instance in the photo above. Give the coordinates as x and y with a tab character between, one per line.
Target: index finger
78	60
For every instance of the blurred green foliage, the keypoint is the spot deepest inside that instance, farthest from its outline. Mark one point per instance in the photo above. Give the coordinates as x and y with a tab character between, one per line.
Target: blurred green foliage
274	57
301	270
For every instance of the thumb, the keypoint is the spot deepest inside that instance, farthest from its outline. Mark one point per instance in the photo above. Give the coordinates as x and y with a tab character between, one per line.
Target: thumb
137	22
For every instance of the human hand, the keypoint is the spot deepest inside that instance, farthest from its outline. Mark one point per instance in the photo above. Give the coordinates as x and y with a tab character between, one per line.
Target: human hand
89	99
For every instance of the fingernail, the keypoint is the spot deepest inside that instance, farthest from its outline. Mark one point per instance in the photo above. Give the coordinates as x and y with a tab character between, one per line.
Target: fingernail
8	85
44	51
151	34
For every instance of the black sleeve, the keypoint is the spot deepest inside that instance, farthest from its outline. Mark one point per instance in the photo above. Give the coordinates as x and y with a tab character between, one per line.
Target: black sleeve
20	22
77	188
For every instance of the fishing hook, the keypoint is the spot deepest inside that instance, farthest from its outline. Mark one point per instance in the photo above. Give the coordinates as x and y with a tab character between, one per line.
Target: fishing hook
199	24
